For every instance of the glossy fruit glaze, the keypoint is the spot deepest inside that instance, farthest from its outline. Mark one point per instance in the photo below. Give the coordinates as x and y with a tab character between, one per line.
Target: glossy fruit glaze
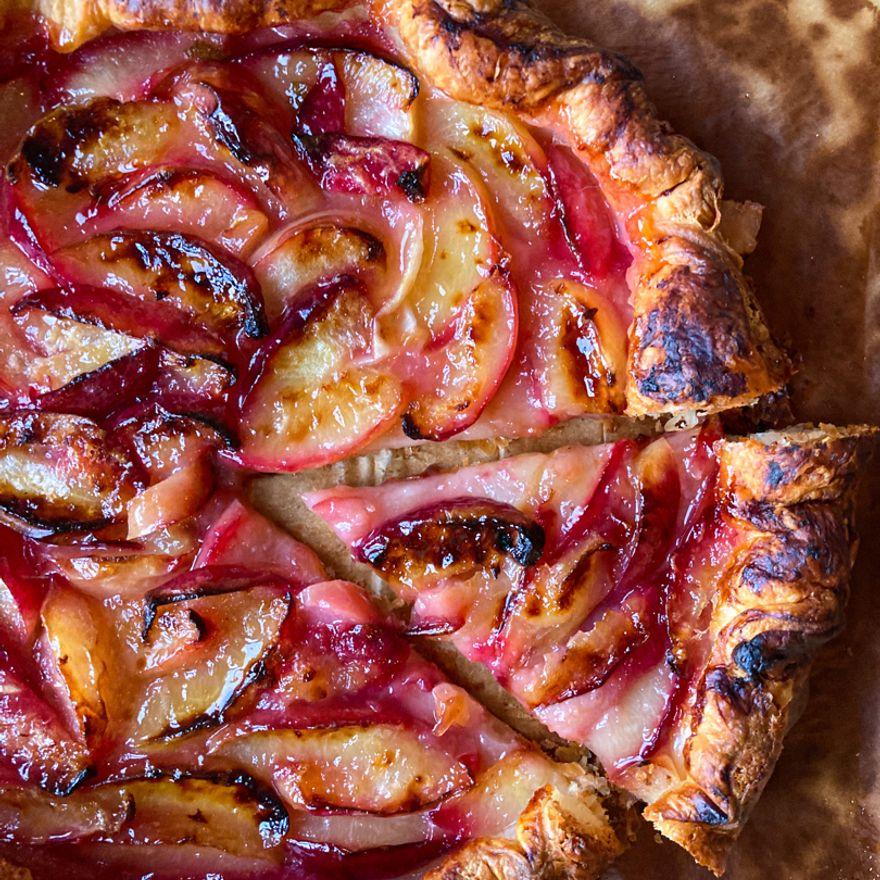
199	701
583	579
294	235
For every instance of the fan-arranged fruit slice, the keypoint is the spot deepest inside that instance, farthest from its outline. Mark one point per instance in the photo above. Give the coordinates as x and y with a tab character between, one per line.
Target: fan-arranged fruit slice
233	114
207	634
312	252
577	344
125	315
377	768
459	375
508	160
75	660
313	402
35	747
339	91
193	202
60	473
244	538
31	817
125	66
216	289
24	583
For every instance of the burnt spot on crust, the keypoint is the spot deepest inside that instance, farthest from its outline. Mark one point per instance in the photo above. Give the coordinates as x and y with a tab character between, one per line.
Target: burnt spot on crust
455	540
693	344
774	654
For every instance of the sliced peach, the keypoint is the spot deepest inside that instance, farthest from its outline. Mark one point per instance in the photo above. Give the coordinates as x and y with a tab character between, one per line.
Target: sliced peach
59	473
380	96
29	816
313	404
74	641
504	154
369	166
379	768
74	148
232	112
342	90
23	587
34	744
235	631
460	250
577	345
312	253
125	65
464	373
242	537
189	201
215	288
227	812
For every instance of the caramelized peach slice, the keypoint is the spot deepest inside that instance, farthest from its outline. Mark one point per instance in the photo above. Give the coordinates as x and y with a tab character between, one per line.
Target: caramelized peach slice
309	254
196	203
72	149
454	540
506	157
73	641
233	114
313	403
231	813
216	289
465	372
236	623
342	90
110	310
60	473
578	347
379	768
460	250
29	816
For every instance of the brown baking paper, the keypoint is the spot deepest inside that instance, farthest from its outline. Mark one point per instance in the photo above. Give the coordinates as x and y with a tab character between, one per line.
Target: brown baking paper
786	93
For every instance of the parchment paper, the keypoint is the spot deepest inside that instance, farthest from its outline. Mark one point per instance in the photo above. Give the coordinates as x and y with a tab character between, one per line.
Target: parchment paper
786	93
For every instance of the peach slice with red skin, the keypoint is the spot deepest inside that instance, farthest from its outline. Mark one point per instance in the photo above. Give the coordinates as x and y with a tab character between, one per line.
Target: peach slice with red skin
216	289
60	473
35	747
313	402
242	537
373	768
236	620
190	201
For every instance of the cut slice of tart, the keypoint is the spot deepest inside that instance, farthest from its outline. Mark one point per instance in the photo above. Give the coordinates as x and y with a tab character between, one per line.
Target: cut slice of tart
216	707
351	241
658	600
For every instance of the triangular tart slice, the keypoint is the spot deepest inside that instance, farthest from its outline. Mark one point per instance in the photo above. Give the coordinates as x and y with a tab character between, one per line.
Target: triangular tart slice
658	600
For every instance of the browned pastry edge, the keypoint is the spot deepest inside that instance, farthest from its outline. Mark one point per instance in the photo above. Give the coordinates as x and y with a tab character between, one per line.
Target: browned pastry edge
791	496
698	340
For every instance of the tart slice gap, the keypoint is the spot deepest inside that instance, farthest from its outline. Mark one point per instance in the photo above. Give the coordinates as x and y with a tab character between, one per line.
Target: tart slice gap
657	600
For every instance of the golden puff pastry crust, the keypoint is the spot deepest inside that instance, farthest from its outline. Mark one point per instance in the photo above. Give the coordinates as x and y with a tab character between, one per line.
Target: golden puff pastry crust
782	595
697	341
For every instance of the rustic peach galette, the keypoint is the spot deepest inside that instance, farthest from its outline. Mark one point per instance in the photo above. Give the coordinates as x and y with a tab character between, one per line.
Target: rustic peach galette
242	236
